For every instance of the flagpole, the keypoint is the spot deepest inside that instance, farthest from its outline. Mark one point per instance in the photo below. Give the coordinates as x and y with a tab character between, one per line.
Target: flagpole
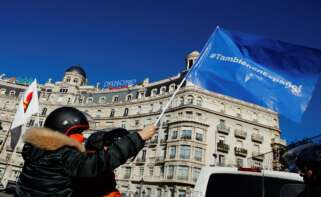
196	64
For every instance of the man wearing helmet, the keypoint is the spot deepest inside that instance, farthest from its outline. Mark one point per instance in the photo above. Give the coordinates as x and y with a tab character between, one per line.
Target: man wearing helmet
54	154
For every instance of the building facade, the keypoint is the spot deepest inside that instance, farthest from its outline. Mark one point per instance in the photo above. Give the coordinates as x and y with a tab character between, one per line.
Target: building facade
199	128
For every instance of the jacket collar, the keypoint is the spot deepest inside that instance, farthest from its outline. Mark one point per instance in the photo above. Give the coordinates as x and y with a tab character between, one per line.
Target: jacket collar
50	140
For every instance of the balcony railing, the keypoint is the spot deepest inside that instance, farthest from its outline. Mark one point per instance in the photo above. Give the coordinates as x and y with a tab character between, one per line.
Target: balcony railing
240	151
191	118
222	128
140	160
257	156
240	133
182	178
126	176
152	142
170	177
223	147
162	141
257	138
160	159
186	137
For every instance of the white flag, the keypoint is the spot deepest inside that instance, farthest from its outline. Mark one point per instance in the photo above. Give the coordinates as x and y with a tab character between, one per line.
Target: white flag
28	105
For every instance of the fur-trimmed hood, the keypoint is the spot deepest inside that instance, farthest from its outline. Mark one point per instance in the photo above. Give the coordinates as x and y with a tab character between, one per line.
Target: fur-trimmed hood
49	140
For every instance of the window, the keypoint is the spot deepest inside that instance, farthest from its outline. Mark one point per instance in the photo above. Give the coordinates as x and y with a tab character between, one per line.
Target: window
129	97
75	80
174	134
172	152
239	162
172	87
181	193
148	192
221	160
182	172
185	152
141	171
90	99
127	172
63	90
154	92
136	123
190	99
221	139
139	109
112	113
163	90
144	155
151	171
198	155
196	173
126	112
12	93
102	99
158	192
199	136
123	124
181	100
199	101
170	172
245	185
151	107
160	106
68	79
115	99
44	111
31	123
186	134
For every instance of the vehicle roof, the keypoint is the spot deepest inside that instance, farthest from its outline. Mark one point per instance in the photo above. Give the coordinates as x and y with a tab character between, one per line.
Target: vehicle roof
207	171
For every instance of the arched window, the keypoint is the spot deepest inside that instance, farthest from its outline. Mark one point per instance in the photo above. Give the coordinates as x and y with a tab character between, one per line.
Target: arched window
163	90
190	99
181	100
129	97
112	113
90	99
12	93
115	98
44	111
75	80
126	112
172	87
199	101
154	92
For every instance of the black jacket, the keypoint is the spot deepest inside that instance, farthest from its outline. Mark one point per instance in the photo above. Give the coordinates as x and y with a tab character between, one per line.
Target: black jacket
52	160
104	183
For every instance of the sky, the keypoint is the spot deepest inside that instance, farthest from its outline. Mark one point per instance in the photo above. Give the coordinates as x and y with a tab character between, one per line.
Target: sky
117	40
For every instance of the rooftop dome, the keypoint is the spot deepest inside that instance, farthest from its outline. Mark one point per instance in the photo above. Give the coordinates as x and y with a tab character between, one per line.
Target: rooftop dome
193	54
78	69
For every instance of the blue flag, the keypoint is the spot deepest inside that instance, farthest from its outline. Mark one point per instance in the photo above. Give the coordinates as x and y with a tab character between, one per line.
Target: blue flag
270	73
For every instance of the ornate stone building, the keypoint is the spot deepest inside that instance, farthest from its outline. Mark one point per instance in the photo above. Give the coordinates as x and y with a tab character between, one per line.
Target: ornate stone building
199	128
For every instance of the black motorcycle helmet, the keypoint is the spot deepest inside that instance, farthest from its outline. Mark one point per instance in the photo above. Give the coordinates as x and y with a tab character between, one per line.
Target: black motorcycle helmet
67	120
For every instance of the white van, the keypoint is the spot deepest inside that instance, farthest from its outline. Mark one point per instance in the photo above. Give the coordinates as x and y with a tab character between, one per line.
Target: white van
234	182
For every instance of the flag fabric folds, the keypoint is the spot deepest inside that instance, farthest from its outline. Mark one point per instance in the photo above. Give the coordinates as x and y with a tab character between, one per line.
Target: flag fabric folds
28	106
270	73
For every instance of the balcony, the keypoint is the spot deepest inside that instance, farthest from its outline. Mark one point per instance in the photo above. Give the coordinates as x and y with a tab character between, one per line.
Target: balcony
126	176
152	143
279	141
163	141
223	147
240	133
257	156
140	161
160	159
182	178
188	118
186	137
240	151
222	128
257	138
